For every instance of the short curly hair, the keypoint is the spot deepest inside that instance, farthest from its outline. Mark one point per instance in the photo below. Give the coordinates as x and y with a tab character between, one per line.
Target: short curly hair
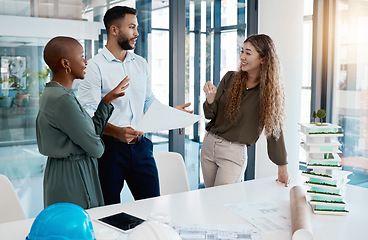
116	13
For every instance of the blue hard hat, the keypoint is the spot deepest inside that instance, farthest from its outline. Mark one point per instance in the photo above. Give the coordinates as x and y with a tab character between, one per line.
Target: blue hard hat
62	221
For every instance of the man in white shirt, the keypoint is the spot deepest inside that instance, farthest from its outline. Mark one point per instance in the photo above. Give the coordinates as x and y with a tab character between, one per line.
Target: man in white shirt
128	154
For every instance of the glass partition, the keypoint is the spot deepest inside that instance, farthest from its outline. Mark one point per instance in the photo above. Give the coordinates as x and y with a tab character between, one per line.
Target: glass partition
23	76
350	90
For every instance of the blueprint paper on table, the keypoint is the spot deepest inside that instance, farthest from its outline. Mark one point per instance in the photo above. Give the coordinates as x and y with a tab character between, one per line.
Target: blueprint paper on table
266	216
160	117
217	232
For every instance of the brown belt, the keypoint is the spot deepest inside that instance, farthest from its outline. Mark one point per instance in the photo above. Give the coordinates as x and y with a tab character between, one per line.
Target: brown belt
137	139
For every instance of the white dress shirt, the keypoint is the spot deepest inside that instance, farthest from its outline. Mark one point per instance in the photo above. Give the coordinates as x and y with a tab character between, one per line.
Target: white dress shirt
104	72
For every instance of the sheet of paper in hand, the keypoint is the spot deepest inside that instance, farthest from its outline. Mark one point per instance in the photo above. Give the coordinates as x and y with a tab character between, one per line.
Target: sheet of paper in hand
160	117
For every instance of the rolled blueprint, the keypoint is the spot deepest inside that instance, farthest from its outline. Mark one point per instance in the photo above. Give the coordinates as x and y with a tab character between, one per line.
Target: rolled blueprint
300	223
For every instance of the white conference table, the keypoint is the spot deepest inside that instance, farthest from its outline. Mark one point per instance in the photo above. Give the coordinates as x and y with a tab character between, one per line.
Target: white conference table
206	206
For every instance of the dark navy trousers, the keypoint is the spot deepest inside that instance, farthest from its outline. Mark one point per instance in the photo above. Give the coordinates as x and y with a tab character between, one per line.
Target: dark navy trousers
133	163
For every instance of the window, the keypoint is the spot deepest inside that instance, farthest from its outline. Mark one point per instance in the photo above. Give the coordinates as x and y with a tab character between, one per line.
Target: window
159	64
339	74
350	86
216	34
305	107
307	62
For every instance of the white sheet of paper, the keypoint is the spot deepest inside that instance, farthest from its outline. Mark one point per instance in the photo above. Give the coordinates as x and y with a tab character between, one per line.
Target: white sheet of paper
160	117
266	216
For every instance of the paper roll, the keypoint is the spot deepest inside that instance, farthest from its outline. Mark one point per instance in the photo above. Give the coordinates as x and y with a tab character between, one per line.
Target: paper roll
300	223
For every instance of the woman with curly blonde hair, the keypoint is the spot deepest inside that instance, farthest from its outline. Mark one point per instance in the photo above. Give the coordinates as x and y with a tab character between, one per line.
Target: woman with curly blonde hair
245	103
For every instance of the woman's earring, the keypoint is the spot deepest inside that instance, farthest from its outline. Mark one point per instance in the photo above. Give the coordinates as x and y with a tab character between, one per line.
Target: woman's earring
68	70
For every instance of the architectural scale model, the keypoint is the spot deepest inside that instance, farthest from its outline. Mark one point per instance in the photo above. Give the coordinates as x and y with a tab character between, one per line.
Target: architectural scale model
326	180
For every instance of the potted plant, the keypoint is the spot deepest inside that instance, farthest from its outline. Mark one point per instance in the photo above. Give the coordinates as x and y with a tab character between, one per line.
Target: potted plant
21	97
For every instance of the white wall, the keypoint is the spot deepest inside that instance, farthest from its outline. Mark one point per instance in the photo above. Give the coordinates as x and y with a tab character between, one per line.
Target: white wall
282	20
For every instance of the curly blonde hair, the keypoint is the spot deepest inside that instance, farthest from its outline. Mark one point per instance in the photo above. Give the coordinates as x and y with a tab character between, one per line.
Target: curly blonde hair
272	94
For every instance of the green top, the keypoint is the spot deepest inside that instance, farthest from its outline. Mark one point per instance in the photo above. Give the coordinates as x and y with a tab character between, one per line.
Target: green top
71	140
247	129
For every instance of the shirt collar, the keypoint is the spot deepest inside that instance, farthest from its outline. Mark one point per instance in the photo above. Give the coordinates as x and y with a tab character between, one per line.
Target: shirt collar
110	57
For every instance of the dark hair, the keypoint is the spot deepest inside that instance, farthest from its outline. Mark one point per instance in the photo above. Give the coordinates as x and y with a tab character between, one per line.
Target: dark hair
115	13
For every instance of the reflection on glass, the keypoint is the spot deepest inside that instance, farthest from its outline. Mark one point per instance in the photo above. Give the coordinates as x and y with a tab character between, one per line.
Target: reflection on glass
350	84
21	82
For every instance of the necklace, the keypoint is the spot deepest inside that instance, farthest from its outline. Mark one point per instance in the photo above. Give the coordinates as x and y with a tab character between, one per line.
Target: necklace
57	83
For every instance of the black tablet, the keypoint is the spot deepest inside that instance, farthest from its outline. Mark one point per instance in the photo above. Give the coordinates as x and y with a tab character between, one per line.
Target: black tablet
121	221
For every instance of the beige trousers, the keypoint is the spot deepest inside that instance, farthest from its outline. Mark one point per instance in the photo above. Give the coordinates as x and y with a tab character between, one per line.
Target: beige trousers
223	162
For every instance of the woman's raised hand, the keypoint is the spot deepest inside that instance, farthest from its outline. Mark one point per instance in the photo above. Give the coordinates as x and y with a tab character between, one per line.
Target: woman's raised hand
117	92
210	90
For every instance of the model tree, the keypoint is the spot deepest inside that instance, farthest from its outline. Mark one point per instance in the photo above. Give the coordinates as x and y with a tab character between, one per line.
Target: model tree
314	117
321	114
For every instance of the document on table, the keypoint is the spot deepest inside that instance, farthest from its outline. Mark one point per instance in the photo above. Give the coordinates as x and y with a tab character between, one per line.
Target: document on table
160	117
217	232
192	232
266	216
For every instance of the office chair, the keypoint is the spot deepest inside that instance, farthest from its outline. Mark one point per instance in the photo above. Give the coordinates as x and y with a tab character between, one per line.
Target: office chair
171	172
10	208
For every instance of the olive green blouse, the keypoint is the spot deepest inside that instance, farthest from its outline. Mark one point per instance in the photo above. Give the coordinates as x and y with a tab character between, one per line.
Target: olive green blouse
247	129
71	140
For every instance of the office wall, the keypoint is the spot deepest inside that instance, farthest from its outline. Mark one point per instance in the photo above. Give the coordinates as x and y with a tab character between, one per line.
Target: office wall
282	20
